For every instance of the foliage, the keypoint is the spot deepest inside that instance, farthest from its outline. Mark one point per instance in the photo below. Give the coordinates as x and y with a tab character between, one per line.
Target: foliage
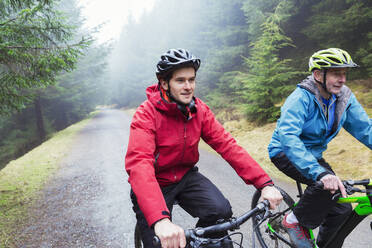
69	99
266	82
77	93
34	47
18	136
345	24
224	38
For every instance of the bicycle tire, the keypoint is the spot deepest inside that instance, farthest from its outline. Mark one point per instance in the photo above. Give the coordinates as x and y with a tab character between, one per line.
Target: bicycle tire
265	236
137	238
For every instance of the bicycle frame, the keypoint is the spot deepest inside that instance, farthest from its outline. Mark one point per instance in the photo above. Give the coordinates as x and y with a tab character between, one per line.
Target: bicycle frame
359	212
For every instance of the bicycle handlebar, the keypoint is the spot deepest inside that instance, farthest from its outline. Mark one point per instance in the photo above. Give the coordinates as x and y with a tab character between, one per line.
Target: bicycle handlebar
232	224
348	184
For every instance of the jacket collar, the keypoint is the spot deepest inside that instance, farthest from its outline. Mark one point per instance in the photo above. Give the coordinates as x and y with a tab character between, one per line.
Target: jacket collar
309	84
171	108
343	97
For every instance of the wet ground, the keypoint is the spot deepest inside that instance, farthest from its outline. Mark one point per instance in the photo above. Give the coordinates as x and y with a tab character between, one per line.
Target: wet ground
87	203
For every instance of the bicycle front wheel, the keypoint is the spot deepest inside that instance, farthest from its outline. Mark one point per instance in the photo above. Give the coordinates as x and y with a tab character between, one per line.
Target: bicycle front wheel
137	238
270	233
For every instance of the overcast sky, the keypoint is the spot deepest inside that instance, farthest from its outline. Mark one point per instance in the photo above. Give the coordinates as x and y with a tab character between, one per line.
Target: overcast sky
112	12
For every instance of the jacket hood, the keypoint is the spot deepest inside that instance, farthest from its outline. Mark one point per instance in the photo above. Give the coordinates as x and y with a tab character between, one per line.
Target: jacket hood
309	84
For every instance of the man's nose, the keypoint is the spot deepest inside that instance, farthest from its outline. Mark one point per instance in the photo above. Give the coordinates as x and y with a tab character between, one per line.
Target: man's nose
188	84
343	78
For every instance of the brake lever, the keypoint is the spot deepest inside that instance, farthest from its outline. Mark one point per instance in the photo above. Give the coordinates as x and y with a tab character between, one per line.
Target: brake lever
336	196
349	190
267	212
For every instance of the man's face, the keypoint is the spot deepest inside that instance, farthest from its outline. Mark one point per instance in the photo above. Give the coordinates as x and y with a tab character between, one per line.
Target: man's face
182	84
336	78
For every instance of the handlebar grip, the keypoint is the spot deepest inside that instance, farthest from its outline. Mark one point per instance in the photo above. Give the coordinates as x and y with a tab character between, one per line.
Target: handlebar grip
264	204
156	241
319	184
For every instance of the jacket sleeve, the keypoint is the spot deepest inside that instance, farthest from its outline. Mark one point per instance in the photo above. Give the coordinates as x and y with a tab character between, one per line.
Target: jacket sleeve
293	115
214	134
358	123
139	164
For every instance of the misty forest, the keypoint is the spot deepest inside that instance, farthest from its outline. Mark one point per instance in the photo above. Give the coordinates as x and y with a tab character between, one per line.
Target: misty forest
53	72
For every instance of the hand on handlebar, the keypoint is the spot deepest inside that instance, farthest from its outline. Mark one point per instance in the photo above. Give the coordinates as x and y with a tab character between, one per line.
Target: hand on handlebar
170	235
333	183
273	195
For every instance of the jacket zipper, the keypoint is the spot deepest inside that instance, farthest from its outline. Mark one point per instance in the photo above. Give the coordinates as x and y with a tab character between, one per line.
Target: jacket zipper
156	159
324	118
184	141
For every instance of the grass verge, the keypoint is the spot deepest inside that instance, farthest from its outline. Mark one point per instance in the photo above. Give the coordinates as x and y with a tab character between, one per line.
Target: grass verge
22	179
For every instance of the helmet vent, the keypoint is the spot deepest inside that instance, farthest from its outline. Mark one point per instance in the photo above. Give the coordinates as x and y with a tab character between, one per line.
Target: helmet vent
178	55
321	63
335	60
173	60
345	57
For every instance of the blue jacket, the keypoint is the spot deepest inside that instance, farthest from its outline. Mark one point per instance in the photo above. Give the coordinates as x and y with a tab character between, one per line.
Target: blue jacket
301	129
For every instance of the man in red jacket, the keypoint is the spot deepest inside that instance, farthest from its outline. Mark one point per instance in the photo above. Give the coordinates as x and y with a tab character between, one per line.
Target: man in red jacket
163	150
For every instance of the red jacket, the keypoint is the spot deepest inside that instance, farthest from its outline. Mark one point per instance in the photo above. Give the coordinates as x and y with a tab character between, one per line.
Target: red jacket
163	146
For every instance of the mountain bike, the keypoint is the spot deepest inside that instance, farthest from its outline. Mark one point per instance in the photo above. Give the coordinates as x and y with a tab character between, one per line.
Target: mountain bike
197	237
271	234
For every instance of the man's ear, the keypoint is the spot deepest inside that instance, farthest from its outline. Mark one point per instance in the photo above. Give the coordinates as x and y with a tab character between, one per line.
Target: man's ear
318	75
163	84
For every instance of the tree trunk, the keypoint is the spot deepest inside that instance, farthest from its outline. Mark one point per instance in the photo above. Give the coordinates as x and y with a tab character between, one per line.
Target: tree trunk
39	119
61	120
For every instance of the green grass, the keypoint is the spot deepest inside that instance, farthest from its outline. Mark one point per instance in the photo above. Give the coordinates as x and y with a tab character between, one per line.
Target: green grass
22	180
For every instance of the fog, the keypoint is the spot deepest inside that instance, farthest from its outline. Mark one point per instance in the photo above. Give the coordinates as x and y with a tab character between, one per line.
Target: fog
170	24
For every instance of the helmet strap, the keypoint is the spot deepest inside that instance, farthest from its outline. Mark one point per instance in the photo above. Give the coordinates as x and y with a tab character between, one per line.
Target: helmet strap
325	81
168	95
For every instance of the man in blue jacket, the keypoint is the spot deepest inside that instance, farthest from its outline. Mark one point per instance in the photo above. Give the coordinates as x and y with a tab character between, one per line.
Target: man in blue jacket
310	118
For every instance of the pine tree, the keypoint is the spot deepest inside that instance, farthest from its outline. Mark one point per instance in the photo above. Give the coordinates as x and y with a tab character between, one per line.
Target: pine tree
35	44
268	77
